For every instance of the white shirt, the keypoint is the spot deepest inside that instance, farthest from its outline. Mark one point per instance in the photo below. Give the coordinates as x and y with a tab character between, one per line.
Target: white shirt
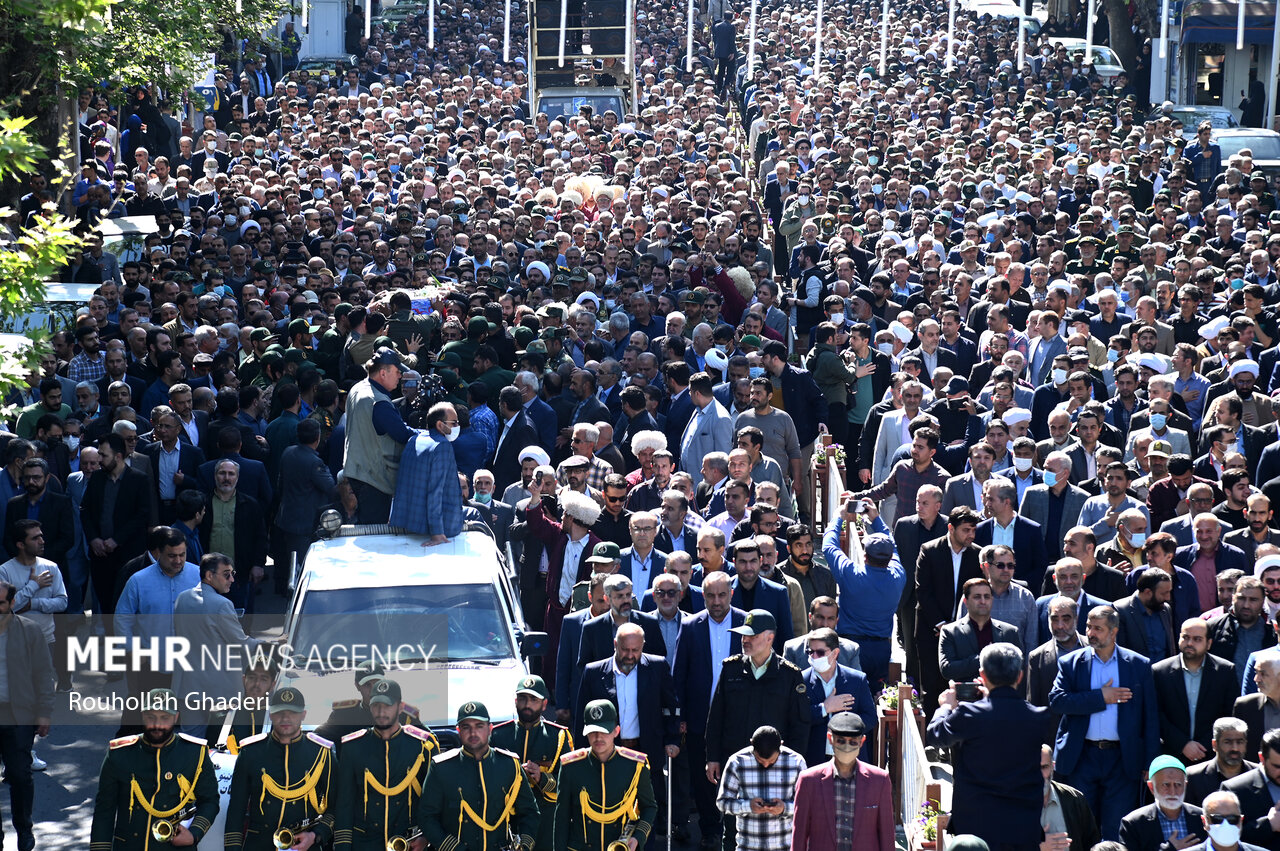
191	429
628	702
719	634
956	558
569	573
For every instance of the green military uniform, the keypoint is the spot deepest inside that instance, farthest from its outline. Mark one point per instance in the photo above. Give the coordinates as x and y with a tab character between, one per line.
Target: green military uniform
380	782
349	716
581	596
545	744
142	784
280	785
600	802
495	378
245	723
478	804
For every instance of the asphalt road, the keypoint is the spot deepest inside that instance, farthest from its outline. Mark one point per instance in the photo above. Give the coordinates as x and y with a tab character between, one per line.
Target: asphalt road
74	750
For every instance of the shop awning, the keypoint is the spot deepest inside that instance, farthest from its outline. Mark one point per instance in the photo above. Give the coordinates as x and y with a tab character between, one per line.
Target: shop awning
1215	21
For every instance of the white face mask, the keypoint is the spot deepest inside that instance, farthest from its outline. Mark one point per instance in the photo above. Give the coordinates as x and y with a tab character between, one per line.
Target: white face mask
837	318
803	200
453	433
1059	376
212	146
1137	539
821	664
1224	835
887	348
1022	464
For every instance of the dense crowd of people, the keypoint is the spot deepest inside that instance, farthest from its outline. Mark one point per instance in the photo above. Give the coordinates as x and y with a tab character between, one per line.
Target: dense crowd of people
1038	323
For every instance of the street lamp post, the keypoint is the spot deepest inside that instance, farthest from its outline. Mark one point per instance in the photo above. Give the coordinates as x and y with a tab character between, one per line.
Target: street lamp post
884	39
951	33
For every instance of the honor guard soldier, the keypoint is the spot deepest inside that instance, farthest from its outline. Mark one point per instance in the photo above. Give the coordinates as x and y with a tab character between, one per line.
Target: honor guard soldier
283	783
348	716
228	731
381	775
539	745
476	797
605	793
154	782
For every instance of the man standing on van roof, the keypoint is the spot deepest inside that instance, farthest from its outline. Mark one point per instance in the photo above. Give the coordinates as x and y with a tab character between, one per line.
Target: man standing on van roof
428	500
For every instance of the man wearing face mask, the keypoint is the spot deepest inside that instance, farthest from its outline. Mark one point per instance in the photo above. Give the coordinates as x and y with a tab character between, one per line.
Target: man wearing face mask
1144	829
427	500
499	515
1222	820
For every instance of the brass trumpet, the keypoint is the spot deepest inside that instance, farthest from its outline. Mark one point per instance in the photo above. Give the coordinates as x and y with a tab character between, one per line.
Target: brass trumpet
163	829
286	836
401	843
618	845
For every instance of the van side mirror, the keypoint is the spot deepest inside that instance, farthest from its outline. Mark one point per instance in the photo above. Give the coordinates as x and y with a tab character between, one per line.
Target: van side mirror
534	644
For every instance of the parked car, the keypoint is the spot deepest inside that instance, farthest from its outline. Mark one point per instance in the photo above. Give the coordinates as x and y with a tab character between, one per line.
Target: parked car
1264	145
1191	115
1104	60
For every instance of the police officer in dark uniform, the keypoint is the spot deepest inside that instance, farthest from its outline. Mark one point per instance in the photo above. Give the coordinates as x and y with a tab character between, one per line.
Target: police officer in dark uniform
282	780
605	792
539	745
476	796
152	782
381	776
348	716
230	729
756	688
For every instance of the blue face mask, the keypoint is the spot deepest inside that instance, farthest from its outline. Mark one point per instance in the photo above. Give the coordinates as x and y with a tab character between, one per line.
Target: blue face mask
1072	147
1050	478
756	371
317	194
1237	284
394	168
1158	421
484	498
1113	355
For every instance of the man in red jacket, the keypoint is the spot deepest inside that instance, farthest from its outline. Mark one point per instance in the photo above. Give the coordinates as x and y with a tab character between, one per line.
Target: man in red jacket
843	804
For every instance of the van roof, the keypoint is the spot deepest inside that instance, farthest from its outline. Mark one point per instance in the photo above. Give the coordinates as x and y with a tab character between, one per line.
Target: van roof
383	560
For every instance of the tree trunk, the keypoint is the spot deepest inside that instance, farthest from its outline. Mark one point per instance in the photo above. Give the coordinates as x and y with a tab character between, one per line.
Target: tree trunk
1122	40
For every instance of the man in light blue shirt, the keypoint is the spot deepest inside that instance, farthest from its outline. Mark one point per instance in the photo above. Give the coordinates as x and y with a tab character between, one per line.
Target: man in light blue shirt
1101	513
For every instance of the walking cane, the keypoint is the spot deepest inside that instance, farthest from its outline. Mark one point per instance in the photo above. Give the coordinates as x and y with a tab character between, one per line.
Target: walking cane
670	779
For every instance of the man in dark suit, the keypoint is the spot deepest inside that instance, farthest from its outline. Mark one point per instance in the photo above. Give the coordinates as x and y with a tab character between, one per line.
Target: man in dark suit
1230	737
114	527
960	641
850	692
1140	830
938	592
1146	621
1107	762
1000	498
35	501
185	473
753	591
306	485
1258	515
569	543
248	532
996	741
589	408
1042	664
1253	790
567	673
253	479
597	640
930	353
1181	735
640	685
498	515
516	433
1062	501
706	641
1252	708
910	533
1209	544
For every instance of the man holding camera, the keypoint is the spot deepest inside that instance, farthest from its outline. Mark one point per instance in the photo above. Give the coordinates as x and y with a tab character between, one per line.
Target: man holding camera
998	769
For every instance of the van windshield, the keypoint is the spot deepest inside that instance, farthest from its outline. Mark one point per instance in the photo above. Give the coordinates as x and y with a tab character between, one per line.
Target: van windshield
463	622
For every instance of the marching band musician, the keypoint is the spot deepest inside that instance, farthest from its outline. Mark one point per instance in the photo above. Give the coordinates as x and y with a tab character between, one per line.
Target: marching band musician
282	780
